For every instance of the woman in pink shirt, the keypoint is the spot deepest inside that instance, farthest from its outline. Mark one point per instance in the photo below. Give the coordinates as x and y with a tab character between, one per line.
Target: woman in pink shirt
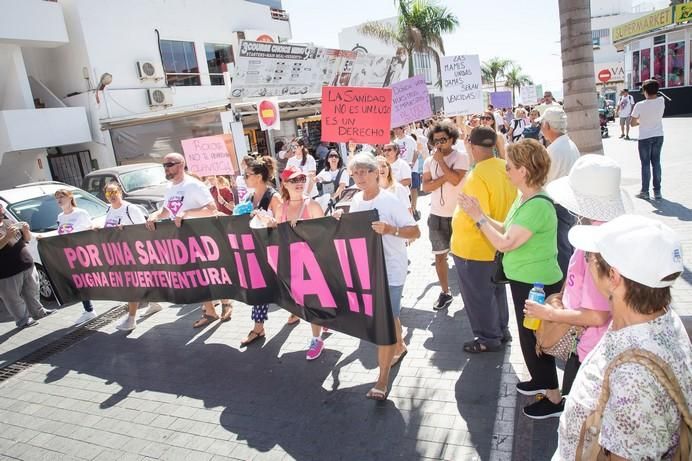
592	192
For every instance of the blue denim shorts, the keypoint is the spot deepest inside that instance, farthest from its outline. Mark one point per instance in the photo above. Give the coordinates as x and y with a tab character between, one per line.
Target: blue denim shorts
395	294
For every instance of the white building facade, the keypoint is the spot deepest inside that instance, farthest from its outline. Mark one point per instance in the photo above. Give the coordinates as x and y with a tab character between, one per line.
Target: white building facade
117	82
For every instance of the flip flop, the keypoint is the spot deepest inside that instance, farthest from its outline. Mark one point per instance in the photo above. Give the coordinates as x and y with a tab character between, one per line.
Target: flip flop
292	320
476	347
377	394
251	337
226	312
204	321
398	358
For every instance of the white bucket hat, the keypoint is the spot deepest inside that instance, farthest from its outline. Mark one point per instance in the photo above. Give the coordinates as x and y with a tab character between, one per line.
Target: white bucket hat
592	189
642	249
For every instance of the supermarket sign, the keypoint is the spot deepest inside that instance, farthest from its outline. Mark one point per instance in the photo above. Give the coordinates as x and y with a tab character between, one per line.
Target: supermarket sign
646	23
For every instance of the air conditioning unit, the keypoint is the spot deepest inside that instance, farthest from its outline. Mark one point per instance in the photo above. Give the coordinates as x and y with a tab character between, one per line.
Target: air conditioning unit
159	97
149	70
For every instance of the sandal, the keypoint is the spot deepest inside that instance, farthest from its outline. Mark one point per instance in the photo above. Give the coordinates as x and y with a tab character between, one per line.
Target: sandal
252	336
398	358
377	394
226	312
292	319
475	347
204	321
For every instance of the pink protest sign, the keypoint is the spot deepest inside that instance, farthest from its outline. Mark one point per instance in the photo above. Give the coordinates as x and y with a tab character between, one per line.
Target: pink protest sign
410	101
208	155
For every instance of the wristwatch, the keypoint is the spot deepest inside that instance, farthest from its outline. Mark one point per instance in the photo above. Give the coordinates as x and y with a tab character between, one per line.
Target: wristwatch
396	232
480	222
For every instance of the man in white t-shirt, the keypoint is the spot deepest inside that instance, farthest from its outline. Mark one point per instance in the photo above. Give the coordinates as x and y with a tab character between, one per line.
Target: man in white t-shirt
548	102
186	197
400	168
623	111
443	172
396	225
648	114
563	154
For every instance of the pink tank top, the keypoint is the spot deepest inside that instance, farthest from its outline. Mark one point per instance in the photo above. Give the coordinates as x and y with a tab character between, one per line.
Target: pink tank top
305	214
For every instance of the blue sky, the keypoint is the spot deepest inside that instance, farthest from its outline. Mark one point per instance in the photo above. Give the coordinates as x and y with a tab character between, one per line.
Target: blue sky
526	32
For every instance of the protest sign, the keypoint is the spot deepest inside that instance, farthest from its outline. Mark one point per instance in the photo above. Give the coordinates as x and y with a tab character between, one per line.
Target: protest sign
461	85
501	99
208	155
329	272
410	101
358	114
528	94
268	114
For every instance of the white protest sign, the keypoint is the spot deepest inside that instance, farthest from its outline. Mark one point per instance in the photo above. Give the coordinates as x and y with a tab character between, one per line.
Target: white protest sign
528	94
461	85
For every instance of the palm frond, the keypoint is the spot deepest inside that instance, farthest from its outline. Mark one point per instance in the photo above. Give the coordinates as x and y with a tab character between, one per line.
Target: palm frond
381	31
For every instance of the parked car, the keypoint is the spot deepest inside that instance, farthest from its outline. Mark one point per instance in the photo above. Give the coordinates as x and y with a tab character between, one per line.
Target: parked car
35	204
142	183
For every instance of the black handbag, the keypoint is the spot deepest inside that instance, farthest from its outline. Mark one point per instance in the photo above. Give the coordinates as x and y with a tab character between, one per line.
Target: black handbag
499	276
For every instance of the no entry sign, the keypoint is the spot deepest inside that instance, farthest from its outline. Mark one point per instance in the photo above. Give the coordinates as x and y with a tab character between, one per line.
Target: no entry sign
604	75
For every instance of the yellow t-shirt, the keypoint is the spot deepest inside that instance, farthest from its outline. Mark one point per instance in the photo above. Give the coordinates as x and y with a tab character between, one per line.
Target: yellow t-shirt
488	182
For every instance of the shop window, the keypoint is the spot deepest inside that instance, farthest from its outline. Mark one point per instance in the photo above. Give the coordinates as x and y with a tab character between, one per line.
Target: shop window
180	63
635	69
676	64
645	66
218	58
659	66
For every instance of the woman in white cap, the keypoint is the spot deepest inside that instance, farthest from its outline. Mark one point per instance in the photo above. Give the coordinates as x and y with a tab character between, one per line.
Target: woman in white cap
592	192
634	261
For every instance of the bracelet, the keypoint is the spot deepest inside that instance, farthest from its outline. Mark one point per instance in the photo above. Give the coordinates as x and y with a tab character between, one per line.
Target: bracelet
481	221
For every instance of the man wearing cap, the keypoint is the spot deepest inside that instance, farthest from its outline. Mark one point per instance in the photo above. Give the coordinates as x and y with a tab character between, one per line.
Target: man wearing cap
548	102
485	303
563	153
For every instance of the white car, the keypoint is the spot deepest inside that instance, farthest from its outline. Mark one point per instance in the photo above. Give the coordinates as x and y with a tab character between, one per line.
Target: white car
35	204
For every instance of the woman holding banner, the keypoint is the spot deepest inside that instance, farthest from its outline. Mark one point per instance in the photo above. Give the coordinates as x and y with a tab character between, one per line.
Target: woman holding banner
121	213
265	201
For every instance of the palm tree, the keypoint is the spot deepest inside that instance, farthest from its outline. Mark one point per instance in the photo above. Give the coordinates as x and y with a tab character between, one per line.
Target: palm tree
420	25
578	83
493	69
514	78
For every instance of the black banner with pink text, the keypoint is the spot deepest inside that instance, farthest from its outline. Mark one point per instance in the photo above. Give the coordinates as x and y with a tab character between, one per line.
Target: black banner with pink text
327	272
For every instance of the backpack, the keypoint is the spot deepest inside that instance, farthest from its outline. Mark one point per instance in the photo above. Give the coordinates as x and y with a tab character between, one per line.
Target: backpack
532	132
127	211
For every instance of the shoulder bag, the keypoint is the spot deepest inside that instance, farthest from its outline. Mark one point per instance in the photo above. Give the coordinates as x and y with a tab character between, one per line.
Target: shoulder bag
556	338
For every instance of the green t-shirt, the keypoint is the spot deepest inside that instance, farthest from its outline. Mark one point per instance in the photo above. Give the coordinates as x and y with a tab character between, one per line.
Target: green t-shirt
536	260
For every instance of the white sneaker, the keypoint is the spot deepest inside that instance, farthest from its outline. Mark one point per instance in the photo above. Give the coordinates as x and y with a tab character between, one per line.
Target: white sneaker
85	317
126	324
153	309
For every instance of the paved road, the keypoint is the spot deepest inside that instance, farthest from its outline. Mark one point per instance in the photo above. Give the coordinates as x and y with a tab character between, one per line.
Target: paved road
169	392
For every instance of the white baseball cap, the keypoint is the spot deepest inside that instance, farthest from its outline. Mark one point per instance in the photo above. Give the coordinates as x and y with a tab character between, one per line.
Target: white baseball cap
555	116
592	189
641	249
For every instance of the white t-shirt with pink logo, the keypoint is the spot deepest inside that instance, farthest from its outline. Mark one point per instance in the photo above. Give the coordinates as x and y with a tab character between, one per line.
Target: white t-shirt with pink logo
189	194
77	221
443	200
581	293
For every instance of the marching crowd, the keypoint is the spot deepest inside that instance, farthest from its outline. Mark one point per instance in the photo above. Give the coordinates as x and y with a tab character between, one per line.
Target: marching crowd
590	283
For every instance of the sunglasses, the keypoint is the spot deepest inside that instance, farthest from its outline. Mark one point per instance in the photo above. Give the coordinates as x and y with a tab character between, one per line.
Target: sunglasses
246	175
334	156
440	141
387	149
485	117
297	180
109	193
170	164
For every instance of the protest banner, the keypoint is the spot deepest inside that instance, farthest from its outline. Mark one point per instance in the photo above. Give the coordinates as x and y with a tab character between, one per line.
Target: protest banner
528	94
501	99
358	114
279	69
461	85
268	114
410	101
327	271
208	155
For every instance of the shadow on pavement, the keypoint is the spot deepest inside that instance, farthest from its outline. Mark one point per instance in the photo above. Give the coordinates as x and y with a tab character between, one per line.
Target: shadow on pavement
268	400
666	207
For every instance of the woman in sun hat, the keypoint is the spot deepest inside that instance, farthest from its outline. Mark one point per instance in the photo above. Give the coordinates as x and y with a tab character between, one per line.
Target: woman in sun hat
591	192
643	401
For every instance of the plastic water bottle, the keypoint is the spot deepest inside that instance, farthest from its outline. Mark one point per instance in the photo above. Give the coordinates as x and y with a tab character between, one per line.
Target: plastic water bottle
536	295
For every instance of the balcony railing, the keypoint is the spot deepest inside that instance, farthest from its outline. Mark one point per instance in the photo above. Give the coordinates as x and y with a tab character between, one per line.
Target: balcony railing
279	15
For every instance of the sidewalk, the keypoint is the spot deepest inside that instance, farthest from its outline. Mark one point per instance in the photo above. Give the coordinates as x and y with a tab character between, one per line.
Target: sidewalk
167	391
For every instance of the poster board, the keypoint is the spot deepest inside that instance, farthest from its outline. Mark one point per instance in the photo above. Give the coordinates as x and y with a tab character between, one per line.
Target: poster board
362	115
461	85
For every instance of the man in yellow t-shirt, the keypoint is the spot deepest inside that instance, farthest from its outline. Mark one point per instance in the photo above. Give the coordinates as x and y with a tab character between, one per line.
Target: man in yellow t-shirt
484	302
